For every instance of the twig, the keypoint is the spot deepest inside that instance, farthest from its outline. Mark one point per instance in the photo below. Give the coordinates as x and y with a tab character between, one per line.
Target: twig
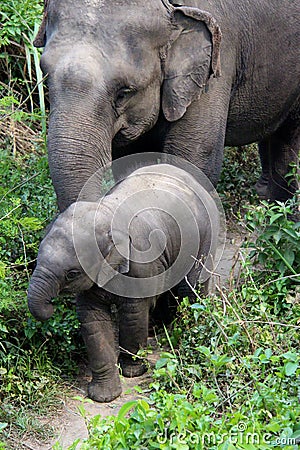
28	96
266	323
9	213
131	354
281	278
217	384
18	186
236	258
12	129
211	272
234	394
21	265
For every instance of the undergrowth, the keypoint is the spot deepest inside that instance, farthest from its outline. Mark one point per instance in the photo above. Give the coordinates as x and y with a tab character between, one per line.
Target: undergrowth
236	187
30	369
33	355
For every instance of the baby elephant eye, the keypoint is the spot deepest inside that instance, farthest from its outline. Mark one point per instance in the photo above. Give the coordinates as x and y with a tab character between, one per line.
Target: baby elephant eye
72	274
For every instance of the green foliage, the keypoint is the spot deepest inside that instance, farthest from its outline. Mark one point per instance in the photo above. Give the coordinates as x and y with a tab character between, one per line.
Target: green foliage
27	204
19	61
18	17
275	253
33	355
60	335
241	170
30	363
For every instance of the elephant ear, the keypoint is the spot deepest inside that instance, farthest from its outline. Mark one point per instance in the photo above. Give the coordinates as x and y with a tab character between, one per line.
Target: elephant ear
40	38
192	58
117	258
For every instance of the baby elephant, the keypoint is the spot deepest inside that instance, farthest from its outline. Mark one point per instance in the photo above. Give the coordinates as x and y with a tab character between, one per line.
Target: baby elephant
153	231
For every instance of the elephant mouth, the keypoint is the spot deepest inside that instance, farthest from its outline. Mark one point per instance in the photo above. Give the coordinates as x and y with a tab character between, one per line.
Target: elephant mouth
121	140
67	290
76	287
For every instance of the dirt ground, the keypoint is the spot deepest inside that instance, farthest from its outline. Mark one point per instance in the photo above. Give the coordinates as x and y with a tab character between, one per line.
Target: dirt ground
70	425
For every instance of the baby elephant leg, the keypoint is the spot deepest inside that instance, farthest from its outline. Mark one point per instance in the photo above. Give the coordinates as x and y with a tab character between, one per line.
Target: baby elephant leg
99	334
133	329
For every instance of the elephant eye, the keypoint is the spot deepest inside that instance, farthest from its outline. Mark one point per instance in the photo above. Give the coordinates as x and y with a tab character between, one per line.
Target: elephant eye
72	274
124	94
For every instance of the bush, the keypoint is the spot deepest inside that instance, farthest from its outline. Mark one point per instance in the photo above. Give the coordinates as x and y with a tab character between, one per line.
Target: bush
241	170
18	17
275	253
21	85
30	363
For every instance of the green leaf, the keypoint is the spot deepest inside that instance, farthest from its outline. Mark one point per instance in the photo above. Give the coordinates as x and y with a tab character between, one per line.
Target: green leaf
162	362
268	353
274	427
126	408
3	425
2	270
31	223
295	435
144	404
290	368
289	256
277	236
291	356
293	234
275	217
204	350
197	306
247	447
167	355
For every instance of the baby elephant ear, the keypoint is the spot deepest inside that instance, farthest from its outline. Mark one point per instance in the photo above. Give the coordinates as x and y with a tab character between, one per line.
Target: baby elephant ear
117	259
119	253
192	58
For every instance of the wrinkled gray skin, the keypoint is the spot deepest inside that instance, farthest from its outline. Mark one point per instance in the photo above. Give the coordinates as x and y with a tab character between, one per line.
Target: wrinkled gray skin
109	320
134	75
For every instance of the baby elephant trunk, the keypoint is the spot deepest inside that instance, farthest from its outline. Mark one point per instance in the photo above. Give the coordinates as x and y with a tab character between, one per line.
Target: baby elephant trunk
42	289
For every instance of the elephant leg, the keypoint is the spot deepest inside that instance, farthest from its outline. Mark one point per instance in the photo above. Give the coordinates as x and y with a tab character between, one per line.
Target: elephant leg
165	309
133	329
277	153
261	186
98	327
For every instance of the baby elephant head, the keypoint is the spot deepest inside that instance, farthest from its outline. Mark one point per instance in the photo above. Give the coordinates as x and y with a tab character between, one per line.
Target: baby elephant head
80	249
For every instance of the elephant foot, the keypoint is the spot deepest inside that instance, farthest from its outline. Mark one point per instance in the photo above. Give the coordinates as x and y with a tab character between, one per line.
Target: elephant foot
104	392
131	368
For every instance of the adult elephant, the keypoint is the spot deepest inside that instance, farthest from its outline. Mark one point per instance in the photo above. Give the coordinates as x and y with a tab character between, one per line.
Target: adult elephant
127	76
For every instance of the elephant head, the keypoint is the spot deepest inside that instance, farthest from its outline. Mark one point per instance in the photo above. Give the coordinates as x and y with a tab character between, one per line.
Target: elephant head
74	257
112	67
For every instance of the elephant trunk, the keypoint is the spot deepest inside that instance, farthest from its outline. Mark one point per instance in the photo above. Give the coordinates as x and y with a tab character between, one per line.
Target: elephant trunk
77	154
42	289
82	124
